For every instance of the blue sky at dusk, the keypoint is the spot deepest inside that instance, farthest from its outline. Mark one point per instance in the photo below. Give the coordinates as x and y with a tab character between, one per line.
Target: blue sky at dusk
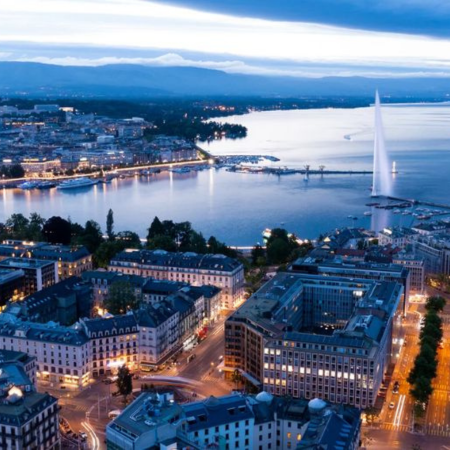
384	38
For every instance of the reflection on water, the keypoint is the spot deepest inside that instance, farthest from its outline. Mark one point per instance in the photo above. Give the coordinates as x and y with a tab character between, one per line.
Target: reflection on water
236	207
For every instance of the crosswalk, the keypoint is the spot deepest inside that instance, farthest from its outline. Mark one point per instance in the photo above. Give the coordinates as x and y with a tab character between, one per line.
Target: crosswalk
391	426
443	433
73	406
210	378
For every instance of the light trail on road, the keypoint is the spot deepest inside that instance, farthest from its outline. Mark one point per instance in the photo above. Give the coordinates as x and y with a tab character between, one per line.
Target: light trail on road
95	439
399	412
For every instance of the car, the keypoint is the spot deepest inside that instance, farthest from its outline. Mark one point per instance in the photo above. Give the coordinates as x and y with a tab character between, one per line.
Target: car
391	405
83	435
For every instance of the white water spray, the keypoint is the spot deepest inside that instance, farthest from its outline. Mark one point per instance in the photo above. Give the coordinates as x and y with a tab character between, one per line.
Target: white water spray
382	183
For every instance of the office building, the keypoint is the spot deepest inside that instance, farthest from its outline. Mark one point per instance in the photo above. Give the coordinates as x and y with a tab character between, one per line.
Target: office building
38	274
11	285
316	336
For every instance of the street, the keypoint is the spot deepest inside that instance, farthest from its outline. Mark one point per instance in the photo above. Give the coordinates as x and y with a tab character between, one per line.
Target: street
88	410
396	424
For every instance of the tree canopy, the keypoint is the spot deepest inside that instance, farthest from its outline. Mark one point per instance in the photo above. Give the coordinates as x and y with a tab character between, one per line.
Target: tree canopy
121	298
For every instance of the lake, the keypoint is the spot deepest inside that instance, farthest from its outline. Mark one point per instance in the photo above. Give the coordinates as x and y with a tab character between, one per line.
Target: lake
236	207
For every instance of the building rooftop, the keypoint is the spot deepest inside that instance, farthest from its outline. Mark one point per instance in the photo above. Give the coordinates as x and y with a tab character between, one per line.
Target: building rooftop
25	263
11	326
216	411
123	324
182	260
139	417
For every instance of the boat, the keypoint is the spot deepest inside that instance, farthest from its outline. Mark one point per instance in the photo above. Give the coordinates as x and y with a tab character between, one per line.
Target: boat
74	183
29	185
46	185
368	213
180	170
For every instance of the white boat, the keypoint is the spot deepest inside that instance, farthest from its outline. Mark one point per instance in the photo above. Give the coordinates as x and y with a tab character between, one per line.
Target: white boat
368	213
29	185
77	183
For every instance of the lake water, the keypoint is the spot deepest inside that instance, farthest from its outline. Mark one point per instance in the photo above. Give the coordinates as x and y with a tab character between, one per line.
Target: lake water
236	207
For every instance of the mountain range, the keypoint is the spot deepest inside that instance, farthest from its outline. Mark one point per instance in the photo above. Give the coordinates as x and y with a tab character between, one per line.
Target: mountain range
135	81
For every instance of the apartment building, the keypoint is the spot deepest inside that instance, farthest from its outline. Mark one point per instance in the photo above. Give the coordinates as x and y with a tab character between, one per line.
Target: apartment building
217	270
159	334
246	422
28	419
113	342
62	354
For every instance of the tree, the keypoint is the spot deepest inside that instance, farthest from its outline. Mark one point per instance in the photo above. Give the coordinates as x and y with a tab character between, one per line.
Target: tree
36	223
16	171
92	236
258	255
197	242
162	242
124	381
129	238
422	390
121	298
278	251
435	304
372	414
57	230
156	229
106	251
17	226
110	225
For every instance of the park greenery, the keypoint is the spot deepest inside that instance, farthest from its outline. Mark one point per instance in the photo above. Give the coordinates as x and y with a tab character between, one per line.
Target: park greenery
165	235
281	248
12	171
425	365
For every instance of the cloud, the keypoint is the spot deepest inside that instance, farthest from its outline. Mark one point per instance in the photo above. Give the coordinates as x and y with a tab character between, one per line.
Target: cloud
421	17
242	67
229	43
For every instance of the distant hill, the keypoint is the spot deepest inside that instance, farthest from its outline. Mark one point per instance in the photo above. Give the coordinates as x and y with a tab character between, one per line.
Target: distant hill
134	81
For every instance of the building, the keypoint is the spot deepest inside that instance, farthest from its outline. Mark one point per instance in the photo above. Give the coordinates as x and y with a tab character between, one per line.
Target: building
310	336
38	274
151	421
397	237
72	260
26	362
217	270
336	266
113	342
247	422
64	302
435	252
11	285
28	419
62	354
416	268
159	334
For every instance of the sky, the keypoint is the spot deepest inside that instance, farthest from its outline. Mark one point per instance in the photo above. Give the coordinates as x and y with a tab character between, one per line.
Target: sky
313	38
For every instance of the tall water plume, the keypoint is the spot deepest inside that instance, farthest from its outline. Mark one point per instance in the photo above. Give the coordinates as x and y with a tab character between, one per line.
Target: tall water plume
382	180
